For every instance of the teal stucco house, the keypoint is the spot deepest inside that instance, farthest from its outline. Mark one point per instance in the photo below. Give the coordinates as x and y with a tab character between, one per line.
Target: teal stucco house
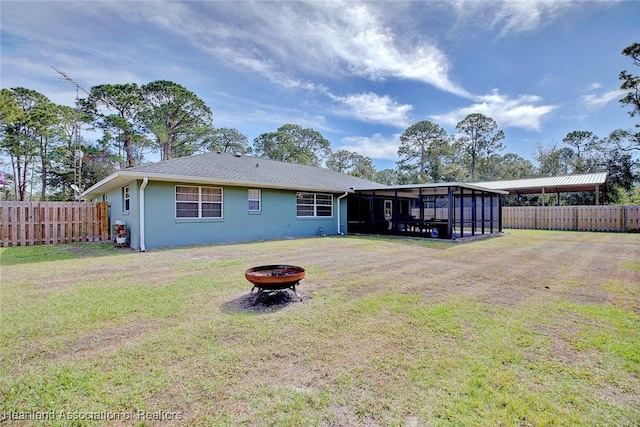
225	198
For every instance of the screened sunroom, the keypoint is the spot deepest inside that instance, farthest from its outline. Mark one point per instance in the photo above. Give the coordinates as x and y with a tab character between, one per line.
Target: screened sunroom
444	210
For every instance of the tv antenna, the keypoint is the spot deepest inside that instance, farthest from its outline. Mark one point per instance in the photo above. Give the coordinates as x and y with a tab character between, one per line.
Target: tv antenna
76	137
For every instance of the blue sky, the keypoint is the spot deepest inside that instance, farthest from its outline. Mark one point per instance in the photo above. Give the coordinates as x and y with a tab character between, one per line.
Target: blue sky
358	72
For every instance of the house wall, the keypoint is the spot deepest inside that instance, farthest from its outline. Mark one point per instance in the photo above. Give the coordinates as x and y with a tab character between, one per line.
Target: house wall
117	213
276	220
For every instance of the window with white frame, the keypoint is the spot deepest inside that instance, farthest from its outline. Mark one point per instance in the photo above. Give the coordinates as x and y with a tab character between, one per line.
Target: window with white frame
198	202
126	199
312	204
254	198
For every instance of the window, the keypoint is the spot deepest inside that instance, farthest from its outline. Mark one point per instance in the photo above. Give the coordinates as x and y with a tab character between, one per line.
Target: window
254	201
198	202
311	204
125	199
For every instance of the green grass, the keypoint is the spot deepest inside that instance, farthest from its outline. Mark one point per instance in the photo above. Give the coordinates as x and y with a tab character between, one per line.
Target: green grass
47	253
520	330
633	266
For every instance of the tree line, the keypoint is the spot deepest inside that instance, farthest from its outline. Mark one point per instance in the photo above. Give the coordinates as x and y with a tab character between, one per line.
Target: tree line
44	146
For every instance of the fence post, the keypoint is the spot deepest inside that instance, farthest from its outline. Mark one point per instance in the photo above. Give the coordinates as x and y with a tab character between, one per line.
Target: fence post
4	210
625	218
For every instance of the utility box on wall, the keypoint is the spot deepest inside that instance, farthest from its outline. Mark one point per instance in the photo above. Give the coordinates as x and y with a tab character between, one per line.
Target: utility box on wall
120	234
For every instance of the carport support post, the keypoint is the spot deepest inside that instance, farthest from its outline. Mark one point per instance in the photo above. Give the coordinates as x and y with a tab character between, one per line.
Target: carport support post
372	207
482	204
450	213
474	216
461	212
499	213
394	212
491	198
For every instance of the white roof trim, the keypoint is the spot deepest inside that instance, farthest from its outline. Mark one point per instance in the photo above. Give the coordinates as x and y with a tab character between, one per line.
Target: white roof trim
123	176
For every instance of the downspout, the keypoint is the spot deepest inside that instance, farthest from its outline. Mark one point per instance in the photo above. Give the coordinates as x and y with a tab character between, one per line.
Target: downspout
145	181
343	196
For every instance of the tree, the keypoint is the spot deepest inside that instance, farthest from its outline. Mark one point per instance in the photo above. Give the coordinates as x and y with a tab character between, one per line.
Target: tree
351	163
634	199
623	171
69	154
11	114
553	160
584	159
175	116
566	158
387	177
580	138
24	127
47	116
226	140
98	163
631	83
509	166
625	140
424	151
480	139
292	143
4	195
120	122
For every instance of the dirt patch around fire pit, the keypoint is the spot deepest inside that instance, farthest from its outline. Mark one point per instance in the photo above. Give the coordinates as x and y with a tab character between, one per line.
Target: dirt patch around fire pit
267	303
274	300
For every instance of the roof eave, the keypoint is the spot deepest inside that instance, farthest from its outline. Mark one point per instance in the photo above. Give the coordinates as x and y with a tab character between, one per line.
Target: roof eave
114	180
97	188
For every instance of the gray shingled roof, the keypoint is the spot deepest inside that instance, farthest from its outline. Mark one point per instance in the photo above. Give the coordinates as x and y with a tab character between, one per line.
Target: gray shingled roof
229	169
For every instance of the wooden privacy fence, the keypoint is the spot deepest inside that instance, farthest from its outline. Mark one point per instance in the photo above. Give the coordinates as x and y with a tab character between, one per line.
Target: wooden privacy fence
45	223
578	218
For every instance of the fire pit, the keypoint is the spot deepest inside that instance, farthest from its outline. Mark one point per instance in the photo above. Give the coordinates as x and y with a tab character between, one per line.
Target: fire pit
270	278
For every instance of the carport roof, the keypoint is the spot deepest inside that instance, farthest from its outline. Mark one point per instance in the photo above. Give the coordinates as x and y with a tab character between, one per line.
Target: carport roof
549	184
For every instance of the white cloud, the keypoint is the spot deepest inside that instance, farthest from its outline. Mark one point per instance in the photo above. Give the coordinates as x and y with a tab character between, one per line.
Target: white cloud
268	69
513	16
281	39
372	108
359	38
522	16
521	112
597	101
374	147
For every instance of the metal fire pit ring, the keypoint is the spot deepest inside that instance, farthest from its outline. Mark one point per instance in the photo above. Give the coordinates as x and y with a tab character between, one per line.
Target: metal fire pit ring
270	278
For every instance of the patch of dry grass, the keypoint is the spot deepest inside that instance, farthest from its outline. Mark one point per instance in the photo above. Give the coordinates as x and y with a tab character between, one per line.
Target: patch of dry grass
531	328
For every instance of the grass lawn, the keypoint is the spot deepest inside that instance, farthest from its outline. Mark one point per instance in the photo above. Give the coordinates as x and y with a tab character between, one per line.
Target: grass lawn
532	328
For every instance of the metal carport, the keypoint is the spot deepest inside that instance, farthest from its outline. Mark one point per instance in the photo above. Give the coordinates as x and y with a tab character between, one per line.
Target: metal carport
589	182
